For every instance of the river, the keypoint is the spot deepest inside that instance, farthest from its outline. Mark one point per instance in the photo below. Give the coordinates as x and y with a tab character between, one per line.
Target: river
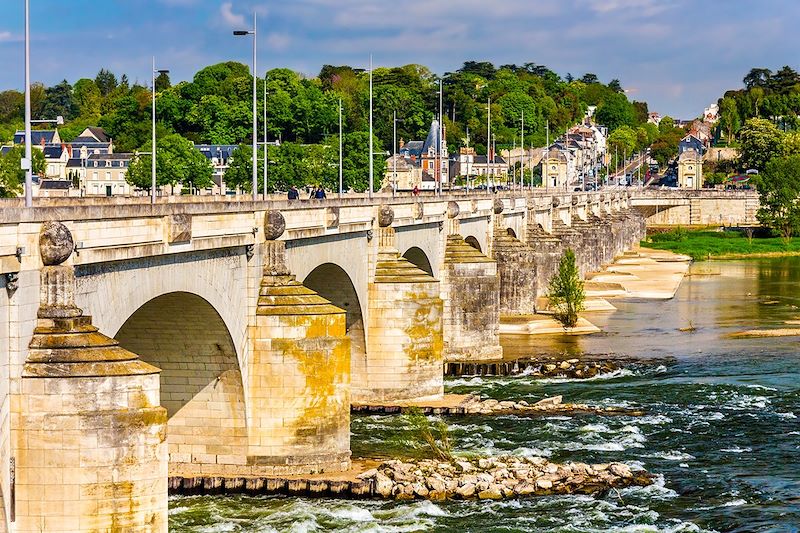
720	431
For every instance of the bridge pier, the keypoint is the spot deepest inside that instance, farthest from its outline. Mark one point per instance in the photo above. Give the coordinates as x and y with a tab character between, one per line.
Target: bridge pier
88	432
404	341
517	268
298	375
470	291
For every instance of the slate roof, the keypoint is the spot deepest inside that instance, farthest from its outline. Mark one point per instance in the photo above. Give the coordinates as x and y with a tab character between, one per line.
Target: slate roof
433	139
5	149
216	150
56	184
98	134
413	148
37	136
53	151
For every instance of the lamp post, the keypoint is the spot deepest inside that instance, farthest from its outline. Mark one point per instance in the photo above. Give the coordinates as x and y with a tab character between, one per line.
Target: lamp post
395	120
371	155
27	164
266	146
153	116
340	148
254	33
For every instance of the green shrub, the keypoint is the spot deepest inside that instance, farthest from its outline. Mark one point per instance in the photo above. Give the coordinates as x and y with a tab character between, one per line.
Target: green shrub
566	292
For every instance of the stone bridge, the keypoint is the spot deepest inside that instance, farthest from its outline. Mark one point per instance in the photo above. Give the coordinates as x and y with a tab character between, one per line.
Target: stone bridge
704	207
229	337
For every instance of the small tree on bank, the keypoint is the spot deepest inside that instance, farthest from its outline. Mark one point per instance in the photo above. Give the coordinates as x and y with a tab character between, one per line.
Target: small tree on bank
566	291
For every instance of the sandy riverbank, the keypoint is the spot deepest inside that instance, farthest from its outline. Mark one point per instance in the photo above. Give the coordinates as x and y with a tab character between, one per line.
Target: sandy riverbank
645	273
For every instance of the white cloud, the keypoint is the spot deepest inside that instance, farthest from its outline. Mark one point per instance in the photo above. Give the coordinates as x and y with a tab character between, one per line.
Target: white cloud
229	17
6	37
278	41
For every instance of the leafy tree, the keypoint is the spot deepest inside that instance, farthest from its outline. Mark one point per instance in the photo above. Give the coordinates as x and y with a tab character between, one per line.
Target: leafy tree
58	101
12	177
616	111
177	161
106	81
12	105
162	82
615	86
566	292
729	119
790	143
641	111
667	123
757	77
779	191
590	78
88	98
760	141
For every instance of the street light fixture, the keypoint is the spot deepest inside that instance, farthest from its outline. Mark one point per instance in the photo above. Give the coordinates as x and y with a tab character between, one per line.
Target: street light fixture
395	120
27	164
153	154
253	32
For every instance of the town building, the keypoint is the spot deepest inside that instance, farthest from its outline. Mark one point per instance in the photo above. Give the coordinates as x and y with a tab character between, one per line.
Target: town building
419	161
690	169
691	142
220	157
103	174
469	164
557	171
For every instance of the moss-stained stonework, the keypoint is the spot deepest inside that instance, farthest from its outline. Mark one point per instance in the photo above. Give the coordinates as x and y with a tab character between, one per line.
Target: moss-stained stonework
299	372
404	345
88	432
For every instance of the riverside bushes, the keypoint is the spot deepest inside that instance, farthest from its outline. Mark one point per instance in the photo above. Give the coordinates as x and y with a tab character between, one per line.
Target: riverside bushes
706	244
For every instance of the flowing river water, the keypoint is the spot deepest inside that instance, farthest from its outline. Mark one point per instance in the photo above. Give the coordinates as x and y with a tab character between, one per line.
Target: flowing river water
720	431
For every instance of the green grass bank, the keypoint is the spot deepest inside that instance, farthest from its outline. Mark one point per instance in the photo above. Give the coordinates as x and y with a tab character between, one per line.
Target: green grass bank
711	244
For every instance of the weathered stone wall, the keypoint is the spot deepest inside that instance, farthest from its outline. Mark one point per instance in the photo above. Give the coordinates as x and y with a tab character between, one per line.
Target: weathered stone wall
517	269
471	297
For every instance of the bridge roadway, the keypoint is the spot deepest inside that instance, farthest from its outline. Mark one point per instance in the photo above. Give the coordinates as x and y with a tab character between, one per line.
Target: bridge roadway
228	337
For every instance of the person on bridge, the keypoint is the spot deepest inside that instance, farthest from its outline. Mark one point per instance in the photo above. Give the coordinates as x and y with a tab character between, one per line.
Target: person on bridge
294	194
319	194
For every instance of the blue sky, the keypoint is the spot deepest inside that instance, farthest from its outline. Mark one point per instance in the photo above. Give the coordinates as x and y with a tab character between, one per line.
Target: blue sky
678	55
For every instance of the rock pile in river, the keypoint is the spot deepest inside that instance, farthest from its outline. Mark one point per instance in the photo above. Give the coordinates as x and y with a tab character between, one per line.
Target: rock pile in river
476	405
494	478
538	367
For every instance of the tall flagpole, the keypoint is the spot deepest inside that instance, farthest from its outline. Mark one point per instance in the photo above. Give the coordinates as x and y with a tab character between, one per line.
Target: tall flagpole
371	170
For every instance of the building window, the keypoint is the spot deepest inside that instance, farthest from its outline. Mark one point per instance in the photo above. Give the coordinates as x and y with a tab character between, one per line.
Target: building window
108	175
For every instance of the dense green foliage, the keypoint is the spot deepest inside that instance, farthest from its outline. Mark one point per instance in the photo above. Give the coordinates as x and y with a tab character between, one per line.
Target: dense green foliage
766	94
779	191
176	162
701	245
303	113
566	292
12	177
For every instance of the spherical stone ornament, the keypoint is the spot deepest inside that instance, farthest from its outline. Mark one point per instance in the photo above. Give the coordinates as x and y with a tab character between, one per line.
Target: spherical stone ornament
55	243
498	206
602	197
574	200
385	216
556	201
452	209
274	225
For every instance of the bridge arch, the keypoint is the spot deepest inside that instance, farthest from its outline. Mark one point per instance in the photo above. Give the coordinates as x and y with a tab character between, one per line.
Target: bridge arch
420	259
511	233
332	282
201	382
472	241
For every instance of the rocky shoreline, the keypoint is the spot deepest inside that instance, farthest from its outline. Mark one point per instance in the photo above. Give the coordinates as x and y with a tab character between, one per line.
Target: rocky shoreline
569	368
497	478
